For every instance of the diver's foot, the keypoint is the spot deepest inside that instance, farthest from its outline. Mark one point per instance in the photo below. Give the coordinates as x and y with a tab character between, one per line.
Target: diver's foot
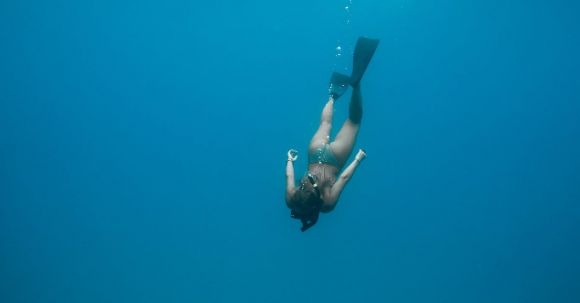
355	85
338	85
363	53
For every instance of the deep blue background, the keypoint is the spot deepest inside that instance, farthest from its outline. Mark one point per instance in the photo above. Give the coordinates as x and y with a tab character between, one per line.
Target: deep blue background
142	151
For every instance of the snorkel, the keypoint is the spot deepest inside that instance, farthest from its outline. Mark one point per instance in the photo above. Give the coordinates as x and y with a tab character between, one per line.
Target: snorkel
314	182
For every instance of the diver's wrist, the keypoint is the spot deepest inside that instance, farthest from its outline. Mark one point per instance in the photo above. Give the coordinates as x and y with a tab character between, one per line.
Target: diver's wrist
360	155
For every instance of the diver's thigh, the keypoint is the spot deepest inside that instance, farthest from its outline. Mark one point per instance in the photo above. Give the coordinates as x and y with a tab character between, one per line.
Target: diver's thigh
321	137
343	145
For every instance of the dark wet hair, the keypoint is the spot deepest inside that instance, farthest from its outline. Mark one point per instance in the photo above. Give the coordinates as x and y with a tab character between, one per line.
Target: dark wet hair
306	204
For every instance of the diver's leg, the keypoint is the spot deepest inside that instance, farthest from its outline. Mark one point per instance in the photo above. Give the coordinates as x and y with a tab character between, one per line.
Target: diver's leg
346	137
322	135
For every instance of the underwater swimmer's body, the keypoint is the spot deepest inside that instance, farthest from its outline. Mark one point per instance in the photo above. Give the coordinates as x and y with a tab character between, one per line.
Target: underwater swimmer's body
320	189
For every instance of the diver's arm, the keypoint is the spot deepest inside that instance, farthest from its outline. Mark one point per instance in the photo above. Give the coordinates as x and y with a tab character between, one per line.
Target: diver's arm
345	176
290	186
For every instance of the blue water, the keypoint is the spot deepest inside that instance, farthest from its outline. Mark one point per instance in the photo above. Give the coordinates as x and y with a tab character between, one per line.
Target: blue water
143	144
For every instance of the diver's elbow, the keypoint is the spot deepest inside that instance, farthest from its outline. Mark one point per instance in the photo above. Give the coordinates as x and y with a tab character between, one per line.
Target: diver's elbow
345	177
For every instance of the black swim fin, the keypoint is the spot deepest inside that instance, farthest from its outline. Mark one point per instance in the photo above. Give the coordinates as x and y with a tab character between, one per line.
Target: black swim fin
338	85
363	53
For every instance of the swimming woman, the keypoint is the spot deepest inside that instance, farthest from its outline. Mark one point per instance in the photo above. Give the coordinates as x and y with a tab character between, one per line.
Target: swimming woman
319	190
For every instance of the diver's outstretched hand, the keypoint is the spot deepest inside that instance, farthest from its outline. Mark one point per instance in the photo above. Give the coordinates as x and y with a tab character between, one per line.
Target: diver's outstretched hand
360	155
